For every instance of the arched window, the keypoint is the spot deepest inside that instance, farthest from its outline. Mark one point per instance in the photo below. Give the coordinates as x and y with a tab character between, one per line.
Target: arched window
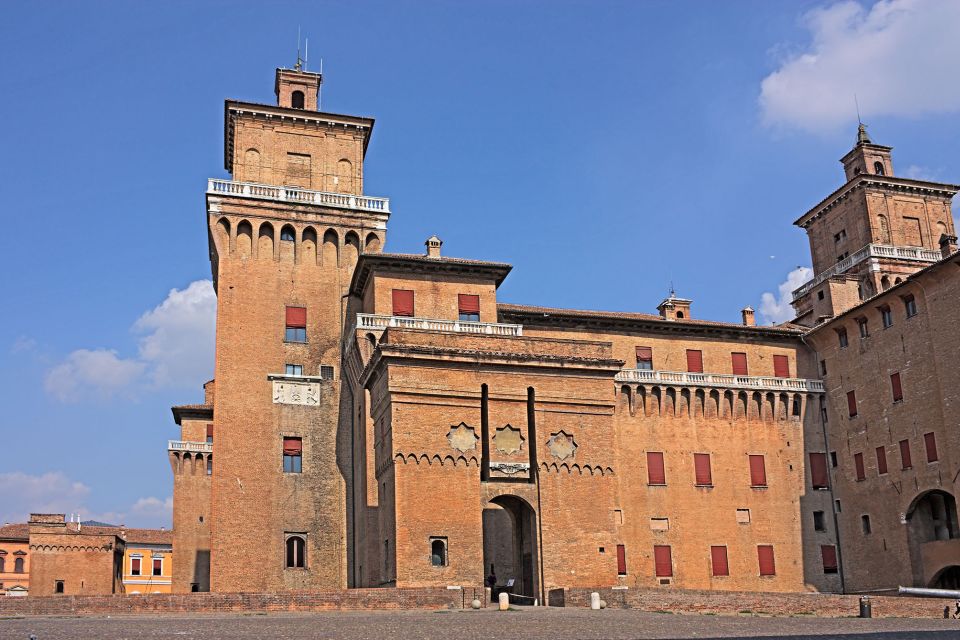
18	565
296	552
296	99
856	171
878	168
209	465
438	552
58	586
287	234
2	563
680	314
884	229
885	282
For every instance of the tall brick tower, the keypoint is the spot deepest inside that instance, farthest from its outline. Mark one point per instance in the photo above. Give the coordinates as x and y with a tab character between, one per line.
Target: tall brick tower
870	233
285	234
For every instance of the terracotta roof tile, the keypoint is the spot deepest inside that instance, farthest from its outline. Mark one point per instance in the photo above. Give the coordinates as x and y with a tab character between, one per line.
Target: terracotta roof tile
18	531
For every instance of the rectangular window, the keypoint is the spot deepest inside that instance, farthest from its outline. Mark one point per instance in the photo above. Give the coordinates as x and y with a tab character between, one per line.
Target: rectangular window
852	403
864	328
662	561
739	363
823	367
292	455
911	232
694	361
621	560
818	470
758	471
403	302
833	459
655	470
886	316
896	387
828	553
836	505
881	460
765	559
858	465
823	414
157	566
905	460
135	566
743	516
865	524
210	433
296	324
781	367
819	524
701	465
718	558
469	306
910	303
298	167
930	442
294	370
842	337
645	358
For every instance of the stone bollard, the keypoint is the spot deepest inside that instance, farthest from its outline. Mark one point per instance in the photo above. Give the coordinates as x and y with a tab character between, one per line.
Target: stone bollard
595	601
475	604
504	602
866	610
488	595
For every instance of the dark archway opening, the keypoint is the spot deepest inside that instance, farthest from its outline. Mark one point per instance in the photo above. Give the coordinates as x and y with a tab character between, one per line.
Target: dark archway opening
947	578
510	546
931	524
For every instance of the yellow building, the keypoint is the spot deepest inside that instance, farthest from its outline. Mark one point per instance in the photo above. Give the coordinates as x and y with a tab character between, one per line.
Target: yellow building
14	559
148	561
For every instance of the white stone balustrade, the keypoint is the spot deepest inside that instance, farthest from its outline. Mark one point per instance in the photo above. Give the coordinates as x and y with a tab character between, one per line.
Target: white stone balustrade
193	447
297	195
719	380
368	321
916	254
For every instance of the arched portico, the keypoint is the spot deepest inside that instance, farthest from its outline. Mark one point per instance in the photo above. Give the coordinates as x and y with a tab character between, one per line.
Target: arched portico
933	536
510	544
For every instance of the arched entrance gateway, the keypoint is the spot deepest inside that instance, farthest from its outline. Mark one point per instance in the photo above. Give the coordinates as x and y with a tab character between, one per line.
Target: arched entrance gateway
934	539
510	544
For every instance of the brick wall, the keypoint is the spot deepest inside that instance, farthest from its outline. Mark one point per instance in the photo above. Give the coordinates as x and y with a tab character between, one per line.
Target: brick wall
333	600
735	602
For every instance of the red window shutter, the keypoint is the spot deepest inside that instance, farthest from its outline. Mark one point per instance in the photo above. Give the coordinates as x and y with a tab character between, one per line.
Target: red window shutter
905	454
739	361
858	463
644	354
157	566
818	470
829	554
662	561
852	403
135	566
655	471
765	558
209	430
701	464
403	302
694	361
930	440
896	387
292	446
621	560
758	471
718	557
781	366
468	303
881	460
297	317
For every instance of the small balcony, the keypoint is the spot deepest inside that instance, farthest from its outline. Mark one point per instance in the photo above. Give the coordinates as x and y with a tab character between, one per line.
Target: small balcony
191	447
371	322
719	380
297	195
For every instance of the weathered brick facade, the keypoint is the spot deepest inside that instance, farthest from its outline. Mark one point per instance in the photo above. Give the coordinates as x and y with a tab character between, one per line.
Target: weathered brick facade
382	420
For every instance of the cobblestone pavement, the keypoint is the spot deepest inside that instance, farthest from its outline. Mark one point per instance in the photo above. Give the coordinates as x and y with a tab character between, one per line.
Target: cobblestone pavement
469	625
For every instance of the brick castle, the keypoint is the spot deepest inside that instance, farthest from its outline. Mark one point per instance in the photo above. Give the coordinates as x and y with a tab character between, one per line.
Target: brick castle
381	420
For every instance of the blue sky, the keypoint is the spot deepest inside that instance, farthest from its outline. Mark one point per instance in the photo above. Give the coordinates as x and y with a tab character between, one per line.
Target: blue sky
606	149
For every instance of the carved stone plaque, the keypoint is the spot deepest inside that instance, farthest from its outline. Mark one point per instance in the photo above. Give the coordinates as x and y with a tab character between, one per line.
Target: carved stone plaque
508	439
462	437
305	393
562	445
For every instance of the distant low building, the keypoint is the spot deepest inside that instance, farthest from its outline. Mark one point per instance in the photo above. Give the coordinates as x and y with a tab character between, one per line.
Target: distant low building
14	559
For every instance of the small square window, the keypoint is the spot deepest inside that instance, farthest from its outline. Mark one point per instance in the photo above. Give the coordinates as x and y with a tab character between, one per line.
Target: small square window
743	516
295	334
294	369
820	295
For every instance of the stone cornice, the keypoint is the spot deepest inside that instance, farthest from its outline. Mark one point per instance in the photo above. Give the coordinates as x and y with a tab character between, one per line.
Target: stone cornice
402	263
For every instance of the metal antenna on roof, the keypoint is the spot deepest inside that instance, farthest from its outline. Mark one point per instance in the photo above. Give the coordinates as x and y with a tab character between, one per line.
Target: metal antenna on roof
320	88
299	64
306	52
857	103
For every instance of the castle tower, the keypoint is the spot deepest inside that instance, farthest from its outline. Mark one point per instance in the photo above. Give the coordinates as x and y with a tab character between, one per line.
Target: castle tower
285	234
871	233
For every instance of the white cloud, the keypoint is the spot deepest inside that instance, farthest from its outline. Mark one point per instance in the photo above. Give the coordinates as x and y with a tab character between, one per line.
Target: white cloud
175	350
54	492
893	55
917	172
776	308
22	344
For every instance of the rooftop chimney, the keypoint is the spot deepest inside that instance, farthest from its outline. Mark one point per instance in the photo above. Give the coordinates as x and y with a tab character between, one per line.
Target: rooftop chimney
948	245
748	319
433	246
